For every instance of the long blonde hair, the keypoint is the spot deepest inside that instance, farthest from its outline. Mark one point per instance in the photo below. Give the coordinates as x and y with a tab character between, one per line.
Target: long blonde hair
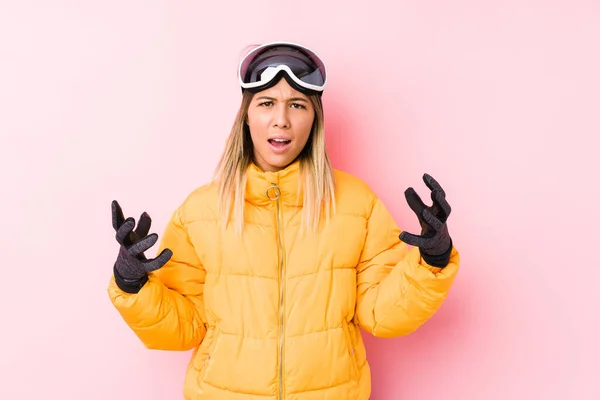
317	177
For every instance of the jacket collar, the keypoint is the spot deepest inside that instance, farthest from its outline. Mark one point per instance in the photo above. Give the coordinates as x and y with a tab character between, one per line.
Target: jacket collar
287	181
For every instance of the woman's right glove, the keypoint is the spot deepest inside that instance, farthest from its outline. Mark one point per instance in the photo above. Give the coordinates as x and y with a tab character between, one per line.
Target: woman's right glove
132	267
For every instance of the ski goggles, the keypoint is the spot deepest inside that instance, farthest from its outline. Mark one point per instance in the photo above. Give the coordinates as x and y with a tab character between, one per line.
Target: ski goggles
264	65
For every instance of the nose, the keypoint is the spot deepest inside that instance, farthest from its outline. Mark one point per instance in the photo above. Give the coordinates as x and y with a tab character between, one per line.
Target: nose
281	118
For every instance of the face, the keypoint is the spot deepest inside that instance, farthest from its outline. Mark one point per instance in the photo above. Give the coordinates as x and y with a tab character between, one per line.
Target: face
280	120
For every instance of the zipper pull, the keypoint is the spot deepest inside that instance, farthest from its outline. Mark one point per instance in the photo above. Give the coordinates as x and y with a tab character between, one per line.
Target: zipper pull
273	192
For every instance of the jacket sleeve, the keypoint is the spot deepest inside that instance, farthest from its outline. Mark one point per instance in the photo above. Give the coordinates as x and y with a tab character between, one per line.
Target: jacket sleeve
168	312
397	291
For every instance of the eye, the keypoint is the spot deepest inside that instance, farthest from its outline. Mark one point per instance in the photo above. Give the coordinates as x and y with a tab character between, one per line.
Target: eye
299	106
265	104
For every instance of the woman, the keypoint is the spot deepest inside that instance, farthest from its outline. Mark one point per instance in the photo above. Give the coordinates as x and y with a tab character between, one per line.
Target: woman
269	271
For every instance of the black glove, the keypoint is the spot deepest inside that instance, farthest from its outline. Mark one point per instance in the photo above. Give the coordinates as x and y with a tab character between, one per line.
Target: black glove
132	267
434	242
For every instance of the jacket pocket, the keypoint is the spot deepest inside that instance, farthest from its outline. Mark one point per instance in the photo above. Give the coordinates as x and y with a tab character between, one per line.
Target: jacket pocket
204	355
351	350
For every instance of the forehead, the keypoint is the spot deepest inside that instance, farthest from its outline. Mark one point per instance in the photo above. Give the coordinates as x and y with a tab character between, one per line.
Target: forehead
282	90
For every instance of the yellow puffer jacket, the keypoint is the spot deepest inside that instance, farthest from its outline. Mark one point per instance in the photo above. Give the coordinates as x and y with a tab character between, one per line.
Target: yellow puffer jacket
276	316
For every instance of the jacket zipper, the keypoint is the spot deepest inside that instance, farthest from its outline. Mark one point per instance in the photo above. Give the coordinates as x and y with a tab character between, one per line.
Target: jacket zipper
281	247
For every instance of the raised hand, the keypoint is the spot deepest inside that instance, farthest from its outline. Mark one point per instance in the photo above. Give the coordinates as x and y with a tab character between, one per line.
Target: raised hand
132	266
434	239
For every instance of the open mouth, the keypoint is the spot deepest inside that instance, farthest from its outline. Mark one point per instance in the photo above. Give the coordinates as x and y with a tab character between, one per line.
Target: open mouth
279	143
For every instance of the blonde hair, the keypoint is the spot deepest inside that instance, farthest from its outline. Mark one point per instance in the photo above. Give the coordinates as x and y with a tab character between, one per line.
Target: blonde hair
316	172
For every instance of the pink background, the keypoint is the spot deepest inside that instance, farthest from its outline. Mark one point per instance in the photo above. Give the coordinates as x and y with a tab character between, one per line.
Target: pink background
132	100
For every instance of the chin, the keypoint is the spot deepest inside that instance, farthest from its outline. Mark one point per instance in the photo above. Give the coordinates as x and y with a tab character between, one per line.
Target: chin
269	160
278	162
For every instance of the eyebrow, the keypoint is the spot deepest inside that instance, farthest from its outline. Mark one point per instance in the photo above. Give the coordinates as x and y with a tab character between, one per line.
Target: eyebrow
273	98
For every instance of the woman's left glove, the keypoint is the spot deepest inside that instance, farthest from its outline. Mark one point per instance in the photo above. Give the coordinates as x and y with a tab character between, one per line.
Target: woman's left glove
434	242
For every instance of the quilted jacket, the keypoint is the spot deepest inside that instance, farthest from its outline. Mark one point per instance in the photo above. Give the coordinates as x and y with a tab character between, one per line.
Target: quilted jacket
277	315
